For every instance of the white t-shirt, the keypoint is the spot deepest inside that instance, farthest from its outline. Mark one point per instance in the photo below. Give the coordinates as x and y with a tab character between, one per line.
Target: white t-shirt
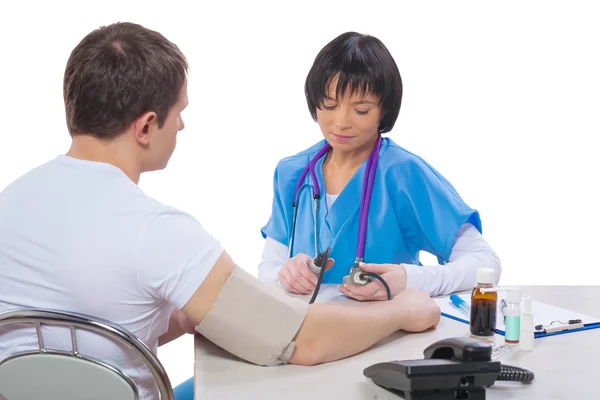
80	236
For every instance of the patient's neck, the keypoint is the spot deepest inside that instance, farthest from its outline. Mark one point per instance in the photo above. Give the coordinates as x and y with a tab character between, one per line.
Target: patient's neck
115	151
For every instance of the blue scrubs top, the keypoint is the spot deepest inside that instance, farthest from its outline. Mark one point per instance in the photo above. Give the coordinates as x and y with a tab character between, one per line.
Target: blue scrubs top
413	208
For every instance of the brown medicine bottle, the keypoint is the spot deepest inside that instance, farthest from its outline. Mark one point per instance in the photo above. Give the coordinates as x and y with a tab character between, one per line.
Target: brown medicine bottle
484	305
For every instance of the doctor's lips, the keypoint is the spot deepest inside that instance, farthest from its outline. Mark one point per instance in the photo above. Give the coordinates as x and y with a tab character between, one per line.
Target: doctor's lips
341	138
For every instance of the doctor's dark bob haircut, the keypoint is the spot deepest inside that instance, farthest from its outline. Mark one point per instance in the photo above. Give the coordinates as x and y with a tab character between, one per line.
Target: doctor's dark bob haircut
116	74
362	64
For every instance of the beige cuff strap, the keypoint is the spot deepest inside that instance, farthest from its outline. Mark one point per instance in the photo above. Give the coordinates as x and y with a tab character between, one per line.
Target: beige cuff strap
253	320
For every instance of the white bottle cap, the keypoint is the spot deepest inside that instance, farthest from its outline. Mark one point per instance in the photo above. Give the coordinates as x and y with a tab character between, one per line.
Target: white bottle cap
486	276
514	296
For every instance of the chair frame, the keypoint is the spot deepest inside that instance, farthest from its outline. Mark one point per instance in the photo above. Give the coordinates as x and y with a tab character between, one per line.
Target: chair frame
73	321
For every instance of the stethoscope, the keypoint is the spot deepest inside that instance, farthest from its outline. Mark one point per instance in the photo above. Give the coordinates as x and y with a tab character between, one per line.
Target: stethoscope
355	276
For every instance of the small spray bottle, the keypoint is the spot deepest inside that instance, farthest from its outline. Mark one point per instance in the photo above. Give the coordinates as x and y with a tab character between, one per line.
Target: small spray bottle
527	331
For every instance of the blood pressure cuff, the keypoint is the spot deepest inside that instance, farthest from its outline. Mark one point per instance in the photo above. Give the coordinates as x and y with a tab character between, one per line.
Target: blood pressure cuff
253	320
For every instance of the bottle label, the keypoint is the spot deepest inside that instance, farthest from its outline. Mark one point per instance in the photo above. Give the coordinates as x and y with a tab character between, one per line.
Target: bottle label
512	329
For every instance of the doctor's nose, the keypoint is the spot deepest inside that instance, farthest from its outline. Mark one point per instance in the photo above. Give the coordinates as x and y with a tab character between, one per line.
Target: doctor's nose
342	122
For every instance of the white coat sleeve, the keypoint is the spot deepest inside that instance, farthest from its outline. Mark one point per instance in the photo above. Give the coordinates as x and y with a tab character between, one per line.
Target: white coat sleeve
469	252
273	257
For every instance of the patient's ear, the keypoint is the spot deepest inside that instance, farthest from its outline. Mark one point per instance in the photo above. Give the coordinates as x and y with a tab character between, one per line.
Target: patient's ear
143	126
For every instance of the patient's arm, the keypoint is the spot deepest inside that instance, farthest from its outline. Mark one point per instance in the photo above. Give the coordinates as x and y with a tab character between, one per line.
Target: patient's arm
179	324
327	332
179	262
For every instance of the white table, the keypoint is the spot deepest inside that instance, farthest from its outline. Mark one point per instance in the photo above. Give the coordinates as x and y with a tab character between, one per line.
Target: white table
564	365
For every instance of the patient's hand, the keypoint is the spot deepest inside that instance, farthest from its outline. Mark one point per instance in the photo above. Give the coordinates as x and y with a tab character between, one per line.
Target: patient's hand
421	311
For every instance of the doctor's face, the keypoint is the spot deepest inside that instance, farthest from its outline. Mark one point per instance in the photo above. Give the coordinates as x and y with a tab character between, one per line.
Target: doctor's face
350	122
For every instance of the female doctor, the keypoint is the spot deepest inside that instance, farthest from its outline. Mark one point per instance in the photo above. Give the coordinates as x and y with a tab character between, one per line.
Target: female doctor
375	204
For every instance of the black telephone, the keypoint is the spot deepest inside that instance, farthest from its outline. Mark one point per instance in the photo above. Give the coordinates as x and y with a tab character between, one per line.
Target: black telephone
453	368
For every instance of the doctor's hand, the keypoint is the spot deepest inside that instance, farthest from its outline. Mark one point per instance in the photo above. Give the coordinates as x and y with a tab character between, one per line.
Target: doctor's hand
393	274
296	277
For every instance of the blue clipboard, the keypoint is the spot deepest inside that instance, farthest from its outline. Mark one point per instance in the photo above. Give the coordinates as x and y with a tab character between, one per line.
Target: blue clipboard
543	314
536	335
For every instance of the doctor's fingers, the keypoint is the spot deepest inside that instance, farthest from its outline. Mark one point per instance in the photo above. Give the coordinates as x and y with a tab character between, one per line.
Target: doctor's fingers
288	287
293	285
286	284
303	269
349	293
303	275
370	291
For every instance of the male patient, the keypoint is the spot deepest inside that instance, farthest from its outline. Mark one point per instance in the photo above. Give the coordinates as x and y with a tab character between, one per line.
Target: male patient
77	233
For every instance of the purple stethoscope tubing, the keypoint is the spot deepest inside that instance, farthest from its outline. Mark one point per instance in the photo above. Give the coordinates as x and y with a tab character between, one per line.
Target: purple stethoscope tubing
365	201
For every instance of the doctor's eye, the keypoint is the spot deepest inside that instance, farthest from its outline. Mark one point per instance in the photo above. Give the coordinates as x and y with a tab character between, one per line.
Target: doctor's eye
328	107
362	112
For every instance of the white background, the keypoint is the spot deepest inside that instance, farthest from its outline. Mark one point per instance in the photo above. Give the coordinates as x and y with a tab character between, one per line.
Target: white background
501	97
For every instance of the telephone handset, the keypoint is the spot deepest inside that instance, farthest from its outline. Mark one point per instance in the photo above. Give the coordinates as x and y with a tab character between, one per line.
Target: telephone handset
461	349
453	368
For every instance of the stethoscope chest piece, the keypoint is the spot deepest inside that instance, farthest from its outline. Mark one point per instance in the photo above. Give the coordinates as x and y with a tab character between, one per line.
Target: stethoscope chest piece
356	277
